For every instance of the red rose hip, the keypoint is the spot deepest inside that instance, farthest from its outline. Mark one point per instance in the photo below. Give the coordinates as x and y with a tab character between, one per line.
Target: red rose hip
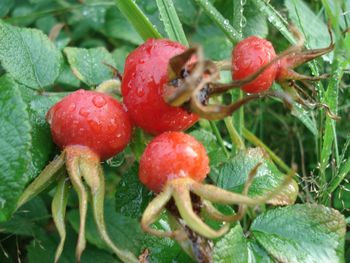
172	155
250	55
146	73
91	119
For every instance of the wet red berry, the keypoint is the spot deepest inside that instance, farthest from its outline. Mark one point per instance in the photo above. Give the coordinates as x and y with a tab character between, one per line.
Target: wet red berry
91	119
247	57
172	155
145	74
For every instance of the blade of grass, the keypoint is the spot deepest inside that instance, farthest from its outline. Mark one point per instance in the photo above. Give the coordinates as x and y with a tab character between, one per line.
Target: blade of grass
171	21
219	20
138	19
238	117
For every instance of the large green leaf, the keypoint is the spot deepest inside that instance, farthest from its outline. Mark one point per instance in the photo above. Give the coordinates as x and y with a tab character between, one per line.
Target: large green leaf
302	233
232	175
89	65
15	142
29	56
232	247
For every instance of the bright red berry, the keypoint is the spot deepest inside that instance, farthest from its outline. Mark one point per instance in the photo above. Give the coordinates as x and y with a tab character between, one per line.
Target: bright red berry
248	56
146	73
91	119
172	155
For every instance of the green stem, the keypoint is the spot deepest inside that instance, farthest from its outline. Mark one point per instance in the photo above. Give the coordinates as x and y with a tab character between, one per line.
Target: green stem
257	142
218	137
235	138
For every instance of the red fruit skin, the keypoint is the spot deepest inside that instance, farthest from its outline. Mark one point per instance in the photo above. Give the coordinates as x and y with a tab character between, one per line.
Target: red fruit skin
91	119
143	86
247	57
172	155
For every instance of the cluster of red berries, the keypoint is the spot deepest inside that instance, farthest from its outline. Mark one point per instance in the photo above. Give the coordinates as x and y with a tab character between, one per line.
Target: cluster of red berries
91	127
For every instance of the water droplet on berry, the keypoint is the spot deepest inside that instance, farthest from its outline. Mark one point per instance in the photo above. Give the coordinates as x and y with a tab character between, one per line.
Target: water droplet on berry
71	107
99	101
140	91
84	112
94	126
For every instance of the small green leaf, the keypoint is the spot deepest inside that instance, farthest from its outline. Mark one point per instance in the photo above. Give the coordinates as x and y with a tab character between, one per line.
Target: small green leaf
117	26
119	56
232	175
88	64
41	144
132	196
28	220
124	231
15	142
29	56
232	247
171	21
306	117
302	233
257	253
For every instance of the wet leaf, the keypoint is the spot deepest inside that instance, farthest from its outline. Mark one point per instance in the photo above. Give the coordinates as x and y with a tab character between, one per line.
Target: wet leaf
24	55
232	175
88	65
302	233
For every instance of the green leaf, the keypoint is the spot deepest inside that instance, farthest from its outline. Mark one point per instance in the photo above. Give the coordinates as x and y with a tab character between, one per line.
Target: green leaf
257	253
302	233
312	26
138	19
124	231
41	143
29	56
132	196
119	56
217	46
306	117
232	247
216	156
28	220
256	24
43	248
67	78
118	26
232	175
88	64
5	6
186	11
15	142
171	21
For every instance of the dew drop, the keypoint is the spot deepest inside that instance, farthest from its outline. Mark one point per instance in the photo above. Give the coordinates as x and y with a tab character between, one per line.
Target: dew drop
84	112
71	107
140	91
99	101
